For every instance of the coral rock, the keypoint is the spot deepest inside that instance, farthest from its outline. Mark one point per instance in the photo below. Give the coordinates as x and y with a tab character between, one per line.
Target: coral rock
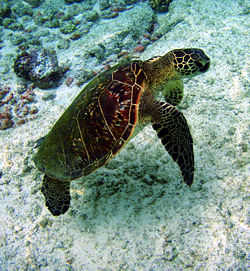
39	66
160	5
5	119
72	1
34	3
139	48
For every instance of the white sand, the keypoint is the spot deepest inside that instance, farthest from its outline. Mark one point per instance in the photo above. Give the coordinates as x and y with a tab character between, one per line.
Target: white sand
135	213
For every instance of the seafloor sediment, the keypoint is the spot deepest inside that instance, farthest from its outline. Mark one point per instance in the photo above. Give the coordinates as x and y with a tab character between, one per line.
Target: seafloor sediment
135	213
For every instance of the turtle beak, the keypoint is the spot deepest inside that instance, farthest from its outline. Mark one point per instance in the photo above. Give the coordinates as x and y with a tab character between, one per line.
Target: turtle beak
201	60
206	66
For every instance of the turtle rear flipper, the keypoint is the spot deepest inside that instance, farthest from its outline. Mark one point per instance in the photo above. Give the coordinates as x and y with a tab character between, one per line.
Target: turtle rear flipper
171	127
57	195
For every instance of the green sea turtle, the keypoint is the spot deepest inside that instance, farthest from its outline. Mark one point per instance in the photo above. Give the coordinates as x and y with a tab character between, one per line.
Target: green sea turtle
103	117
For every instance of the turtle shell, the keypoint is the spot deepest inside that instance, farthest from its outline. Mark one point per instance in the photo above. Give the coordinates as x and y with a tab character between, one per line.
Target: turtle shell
95	126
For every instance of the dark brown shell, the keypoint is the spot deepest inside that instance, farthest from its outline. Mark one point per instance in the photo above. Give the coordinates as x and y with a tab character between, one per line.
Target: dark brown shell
95	126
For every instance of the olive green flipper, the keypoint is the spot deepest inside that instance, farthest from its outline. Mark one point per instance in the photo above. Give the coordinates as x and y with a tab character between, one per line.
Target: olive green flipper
57	195
173	92
171	127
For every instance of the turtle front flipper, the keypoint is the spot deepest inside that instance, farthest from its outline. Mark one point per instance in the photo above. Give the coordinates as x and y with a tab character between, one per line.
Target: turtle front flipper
57	195
173	92
171	127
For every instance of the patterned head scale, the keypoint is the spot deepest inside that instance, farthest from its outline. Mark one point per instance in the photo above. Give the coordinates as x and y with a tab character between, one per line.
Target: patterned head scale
190	61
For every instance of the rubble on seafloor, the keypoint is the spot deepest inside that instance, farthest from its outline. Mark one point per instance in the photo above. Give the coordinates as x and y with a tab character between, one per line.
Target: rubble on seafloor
16	106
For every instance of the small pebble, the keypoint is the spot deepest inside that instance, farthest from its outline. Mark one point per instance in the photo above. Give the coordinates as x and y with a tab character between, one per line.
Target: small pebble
27	97
49	96
76	36
69	261
17	228
43	223
69	81
25	110
27	243
33	109
20	121
139	48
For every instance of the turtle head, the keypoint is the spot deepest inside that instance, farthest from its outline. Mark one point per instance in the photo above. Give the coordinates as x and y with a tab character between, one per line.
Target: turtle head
189	62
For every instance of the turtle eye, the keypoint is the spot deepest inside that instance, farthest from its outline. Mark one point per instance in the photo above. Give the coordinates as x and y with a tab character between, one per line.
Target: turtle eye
198	64
200	59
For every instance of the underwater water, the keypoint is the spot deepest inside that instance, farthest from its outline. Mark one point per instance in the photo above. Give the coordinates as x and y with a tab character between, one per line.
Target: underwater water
135	213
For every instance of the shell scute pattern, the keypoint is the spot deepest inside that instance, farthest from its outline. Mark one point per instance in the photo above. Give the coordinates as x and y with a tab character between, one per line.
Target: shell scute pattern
124	75
187	61
107	121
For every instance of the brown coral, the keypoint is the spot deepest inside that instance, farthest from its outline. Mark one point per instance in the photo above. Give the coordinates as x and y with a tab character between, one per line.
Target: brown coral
160	5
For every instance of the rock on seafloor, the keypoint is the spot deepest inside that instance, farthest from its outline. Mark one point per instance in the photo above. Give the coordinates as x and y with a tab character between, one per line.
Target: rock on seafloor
40	66
134	213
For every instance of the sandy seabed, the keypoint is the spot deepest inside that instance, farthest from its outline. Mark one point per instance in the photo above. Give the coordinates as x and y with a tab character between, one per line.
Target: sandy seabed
135	213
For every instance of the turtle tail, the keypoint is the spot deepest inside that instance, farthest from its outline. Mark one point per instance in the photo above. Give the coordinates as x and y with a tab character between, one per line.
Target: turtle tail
57	195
